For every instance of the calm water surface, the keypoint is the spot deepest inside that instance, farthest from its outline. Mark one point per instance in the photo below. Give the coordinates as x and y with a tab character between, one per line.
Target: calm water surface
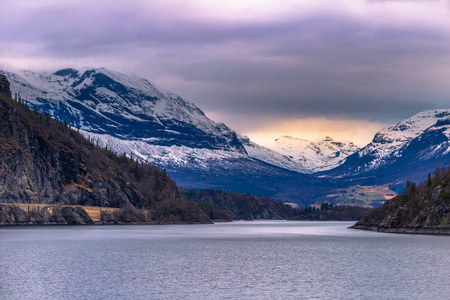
240	260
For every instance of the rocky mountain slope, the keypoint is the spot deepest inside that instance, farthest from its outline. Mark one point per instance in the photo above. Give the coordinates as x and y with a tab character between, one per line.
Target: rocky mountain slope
128	114
420	209
408	150
44	161
314	156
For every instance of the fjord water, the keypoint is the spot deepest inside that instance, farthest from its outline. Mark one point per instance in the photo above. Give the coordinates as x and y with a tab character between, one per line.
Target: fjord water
239	260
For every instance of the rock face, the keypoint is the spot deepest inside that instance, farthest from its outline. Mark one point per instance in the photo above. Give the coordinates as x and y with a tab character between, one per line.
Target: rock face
4	86
422	209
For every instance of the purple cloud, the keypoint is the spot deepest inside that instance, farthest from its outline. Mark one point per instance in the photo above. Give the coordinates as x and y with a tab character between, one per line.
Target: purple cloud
328	61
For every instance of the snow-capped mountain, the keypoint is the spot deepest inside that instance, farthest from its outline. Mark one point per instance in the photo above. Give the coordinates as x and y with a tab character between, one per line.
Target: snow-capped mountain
314	156
131	115
409	149
134	116
124	106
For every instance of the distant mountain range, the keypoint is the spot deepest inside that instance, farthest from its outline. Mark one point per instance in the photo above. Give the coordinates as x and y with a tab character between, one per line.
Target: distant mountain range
131	115
408	150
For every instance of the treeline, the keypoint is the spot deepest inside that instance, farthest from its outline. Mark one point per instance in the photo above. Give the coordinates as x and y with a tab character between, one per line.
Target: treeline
309	209
415	191
213	212
239	206
328	212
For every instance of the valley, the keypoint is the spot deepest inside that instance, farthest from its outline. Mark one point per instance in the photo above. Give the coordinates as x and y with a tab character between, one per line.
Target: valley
131	116
365	196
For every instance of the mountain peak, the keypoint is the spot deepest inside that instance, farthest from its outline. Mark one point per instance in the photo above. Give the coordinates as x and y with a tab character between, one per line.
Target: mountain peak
400	134
321	154
413	146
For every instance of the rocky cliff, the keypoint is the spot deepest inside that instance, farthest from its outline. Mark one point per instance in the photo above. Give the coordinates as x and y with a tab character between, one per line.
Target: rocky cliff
421	209
45	161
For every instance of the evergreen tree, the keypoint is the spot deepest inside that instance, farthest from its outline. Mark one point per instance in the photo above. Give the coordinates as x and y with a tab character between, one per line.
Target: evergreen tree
136	169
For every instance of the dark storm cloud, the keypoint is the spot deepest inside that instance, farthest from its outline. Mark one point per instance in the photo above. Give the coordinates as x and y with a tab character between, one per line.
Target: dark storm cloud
322	63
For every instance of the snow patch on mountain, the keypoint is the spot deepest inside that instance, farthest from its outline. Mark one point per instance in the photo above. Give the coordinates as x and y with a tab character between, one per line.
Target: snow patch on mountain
172	157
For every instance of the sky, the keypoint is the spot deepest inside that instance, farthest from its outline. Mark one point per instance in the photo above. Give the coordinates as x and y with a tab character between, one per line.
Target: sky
265	68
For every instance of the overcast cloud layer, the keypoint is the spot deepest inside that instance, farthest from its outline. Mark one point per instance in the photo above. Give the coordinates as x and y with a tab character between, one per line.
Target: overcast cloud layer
275	67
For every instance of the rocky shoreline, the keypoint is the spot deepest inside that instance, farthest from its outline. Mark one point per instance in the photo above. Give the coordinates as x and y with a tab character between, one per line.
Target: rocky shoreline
410	230
38	214
14	215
